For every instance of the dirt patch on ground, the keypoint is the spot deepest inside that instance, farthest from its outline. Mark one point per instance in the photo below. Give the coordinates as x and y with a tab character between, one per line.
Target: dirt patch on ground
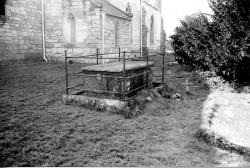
37	129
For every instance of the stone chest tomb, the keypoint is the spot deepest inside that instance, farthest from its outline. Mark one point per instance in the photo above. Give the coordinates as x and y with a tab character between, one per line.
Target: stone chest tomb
110	78
111	84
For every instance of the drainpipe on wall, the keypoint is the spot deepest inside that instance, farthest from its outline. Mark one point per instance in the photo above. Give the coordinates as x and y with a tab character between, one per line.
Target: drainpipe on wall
141	28
103	30
43	33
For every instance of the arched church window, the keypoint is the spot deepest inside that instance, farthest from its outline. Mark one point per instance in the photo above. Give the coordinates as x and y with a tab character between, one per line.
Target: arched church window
117	34
72	28
144	13
152	30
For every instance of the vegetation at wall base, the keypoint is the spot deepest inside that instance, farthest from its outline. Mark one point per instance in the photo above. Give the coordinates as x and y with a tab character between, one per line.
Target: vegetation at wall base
221	45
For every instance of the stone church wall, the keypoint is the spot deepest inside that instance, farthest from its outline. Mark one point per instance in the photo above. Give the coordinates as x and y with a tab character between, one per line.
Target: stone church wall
135	9
152	9
124	33
88	30
21	34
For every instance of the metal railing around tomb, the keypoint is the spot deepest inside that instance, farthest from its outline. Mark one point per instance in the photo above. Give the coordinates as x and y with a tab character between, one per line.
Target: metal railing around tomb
121	56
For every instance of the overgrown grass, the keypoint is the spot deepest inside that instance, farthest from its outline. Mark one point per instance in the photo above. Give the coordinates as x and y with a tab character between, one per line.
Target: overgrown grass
38	130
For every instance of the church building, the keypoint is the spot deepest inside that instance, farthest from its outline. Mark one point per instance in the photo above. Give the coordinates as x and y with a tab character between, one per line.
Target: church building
46	28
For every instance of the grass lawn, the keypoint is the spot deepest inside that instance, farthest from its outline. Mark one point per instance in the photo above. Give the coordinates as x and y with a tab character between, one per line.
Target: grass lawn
37	129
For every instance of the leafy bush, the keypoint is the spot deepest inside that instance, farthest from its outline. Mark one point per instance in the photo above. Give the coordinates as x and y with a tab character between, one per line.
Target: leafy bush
220	45
190	41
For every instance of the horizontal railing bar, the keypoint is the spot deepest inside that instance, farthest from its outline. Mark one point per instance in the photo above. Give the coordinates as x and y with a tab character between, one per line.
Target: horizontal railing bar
136	59
158	55
79	56
77	89
94	57
139	58
131	98
95	91
138	52
131	52
129	77
100	91
75	73
155	52
109	53
72	87
90	55
136	89
105	76
155	56
160	66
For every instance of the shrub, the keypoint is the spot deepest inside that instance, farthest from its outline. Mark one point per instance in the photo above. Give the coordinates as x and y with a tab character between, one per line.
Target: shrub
219	45
190	41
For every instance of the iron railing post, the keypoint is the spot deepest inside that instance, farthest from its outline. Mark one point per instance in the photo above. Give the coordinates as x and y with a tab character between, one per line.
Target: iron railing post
147	76
163	66
119	54
97	56
124	77
66	72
